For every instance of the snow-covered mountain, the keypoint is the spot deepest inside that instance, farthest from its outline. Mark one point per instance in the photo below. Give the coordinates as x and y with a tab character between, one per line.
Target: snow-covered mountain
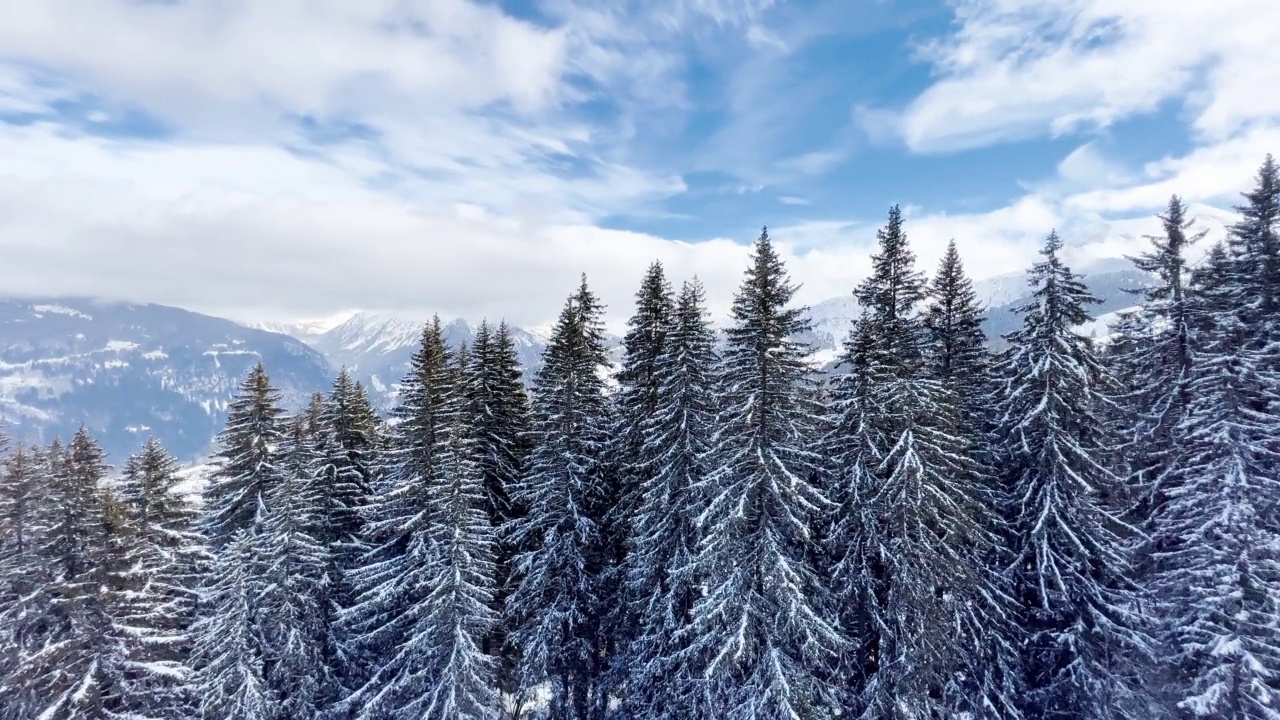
131	371
376	347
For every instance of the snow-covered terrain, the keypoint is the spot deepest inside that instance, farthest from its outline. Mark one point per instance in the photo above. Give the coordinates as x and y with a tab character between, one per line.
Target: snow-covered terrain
130	371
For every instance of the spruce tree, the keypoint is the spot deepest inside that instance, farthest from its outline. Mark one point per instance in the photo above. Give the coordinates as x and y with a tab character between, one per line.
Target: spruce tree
915	532
245	464
956	352
662	584
763	631
391	584
1254	243
499	414
344	464
453	676
292	608
228	655
162	562
1071	570
639	385
79	668
555	610
24	491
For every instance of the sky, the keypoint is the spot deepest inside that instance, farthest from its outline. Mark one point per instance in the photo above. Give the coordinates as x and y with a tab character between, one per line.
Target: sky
293	159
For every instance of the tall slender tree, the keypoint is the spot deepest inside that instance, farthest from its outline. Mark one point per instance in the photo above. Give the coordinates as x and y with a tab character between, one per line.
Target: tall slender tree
343	456
1072	567
555	610
763	630
637	398
228	654
499	414
662	583
915	534
393	588
455	677
244	462
161	562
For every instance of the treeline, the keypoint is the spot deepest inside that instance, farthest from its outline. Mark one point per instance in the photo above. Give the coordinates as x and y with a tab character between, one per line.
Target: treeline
716	530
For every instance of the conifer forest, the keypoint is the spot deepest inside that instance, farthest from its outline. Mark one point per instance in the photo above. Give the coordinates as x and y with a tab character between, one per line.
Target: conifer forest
1057	529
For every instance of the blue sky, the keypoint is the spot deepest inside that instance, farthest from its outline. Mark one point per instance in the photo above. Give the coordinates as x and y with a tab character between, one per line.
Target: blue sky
294	159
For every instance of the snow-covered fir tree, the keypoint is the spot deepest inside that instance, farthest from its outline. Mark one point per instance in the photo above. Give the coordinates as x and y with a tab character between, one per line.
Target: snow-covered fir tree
24	509
228	655
1217	569
662	584
956	352
637	398
244	460
915	532
1152	359
763	630
394	582
452	675
499	415
77	670
292	607
555	610
342	451
161	565
1071	563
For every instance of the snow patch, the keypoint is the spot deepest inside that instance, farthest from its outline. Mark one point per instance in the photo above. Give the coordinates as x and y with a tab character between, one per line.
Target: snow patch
61	310
120	346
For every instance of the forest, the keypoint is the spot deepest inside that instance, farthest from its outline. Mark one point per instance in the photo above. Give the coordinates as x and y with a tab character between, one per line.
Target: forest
1058	530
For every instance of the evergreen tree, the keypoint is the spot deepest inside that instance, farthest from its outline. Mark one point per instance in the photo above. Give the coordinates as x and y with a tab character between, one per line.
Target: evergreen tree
661	582
228	655
914	535
557	605
343	454
1153	360
1071	568
762	630
78	670
392	582
957	348
499	415
639	385
245	464
292	607
453	676
23	512
1254	245
161	565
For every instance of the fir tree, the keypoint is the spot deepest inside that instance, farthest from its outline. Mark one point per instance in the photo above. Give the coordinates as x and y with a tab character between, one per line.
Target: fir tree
161	564
1071	562
244	460
392	582
499	415
292	607
453	677
1156	361
661	582
556	607
957	348
343	456
78	670
228	654
914	534
1254	245
762	629
639	385
23	620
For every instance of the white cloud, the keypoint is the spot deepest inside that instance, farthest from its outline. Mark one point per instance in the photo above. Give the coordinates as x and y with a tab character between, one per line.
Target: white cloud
1024	68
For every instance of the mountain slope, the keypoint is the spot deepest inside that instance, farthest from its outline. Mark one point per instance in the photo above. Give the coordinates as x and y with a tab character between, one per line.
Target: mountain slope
131	371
